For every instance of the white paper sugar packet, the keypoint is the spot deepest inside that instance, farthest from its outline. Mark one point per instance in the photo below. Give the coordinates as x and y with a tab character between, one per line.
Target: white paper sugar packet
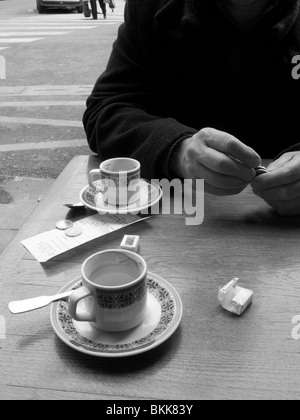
235	299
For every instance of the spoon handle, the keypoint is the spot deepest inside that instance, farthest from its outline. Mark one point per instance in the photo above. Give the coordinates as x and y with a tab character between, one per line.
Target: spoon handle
75	205
27	305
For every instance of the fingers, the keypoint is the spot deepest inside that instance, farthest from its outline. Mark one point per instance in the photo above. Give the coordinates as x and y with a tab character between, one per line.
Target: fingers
227	167
213	160
231	146
280	187
219	170
283	171
219	179
225	163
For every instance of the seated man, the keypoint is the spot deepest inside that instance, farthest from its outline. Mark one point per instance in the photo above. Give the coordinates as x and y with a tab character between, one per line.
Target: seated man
204	89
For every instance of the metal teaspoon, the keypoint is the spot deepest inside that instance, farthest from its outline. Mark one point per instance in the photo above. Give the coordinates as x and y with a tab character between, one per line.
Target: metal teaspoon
74	206
27	305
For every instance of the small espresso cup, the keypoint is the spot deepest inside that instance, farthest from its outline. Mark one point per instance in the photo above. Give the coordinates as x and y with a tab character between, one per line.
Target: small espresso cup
116	175
113	292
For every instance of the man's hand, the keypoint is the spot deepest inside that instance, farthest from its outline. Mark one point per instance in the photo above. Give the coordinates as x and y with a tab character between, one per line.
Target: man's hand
280	188
224	162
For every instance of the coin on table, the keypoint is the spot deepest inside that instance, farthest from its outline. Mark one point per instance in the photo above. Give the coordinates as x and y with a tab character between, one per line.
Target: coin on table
73	231
64	224
261	170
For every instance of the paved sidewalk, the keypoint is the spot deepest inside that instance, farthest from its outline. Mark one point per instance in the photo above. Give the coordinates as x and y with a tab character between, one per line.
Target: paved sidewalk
31	162
18	199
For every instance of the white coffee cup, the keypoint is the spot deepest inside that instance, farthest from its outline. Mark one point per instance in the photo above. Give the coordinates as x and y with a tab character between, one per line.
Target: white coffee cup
116	175
114	289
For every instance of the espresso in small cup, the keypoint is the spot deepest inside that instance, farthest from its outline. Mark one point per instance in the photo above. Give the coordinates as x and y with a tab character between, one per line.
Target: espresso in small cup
115	288
116	175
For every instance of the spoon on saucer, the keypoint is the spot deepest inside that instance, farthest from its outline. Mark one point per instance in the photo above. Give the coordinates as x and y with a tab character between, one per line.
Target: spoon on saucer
75	205
26	305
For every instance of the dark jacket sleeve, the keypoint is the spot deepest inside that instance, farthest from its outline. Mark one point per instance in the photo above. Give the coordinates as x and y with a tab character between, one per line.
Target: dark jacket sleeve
123	115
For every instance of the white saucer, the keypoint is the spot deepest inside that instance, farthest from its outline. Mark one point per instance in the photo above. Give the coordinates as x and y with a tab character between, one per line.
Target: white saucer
162	319
148	194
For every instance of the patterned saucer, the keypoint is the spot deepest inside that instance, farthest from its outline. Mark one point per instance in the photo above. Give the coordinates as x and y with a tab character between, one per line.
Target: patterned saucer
146	195
163	316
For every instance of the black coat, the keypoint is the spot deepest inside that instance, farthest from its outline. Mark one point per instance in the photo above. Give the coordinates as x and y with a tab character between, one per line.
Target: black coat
180	65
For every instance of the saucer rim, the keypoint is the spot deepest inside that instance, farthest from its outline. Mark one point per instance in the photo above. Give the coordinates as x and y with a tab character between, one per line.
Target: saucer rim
125	209
170	330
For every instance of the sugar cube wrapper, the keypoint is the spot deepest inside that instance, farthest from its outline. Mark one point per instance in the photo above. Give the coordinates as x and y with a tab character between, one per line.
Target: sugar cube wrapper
235	299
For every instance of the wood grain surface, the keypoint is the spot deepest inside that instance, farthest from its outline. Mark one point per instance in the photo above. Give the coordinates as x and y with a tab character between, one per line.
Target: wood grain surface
213	354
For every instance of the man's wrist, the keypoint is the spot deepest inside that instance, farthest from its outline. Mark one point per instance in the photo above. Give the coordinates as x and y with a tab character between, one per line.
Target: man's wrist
175	161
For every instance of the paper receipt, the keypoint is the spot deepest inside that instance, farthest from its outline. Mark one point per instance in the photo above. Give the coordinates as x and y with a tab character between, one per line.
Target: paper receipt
55	242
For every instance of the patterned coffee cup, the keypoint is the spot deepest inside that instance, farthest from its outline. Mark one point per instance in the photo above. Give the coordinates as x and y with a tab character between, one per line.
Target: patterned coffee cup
116	175
113	296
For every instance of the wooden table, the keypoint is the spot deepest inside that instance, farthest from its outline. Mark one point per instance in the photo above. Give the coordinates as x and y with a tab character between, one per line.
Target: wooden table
213	354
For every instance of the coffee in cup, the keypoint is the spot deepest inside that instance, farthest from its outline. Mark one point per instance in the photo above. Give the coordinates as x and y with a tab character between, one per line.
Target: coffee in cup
114	288
117	175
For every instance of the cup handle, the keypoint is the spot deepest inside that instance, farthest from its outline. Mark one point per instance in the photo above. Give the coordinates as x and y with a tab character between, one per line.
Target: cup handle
74	299
92	174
